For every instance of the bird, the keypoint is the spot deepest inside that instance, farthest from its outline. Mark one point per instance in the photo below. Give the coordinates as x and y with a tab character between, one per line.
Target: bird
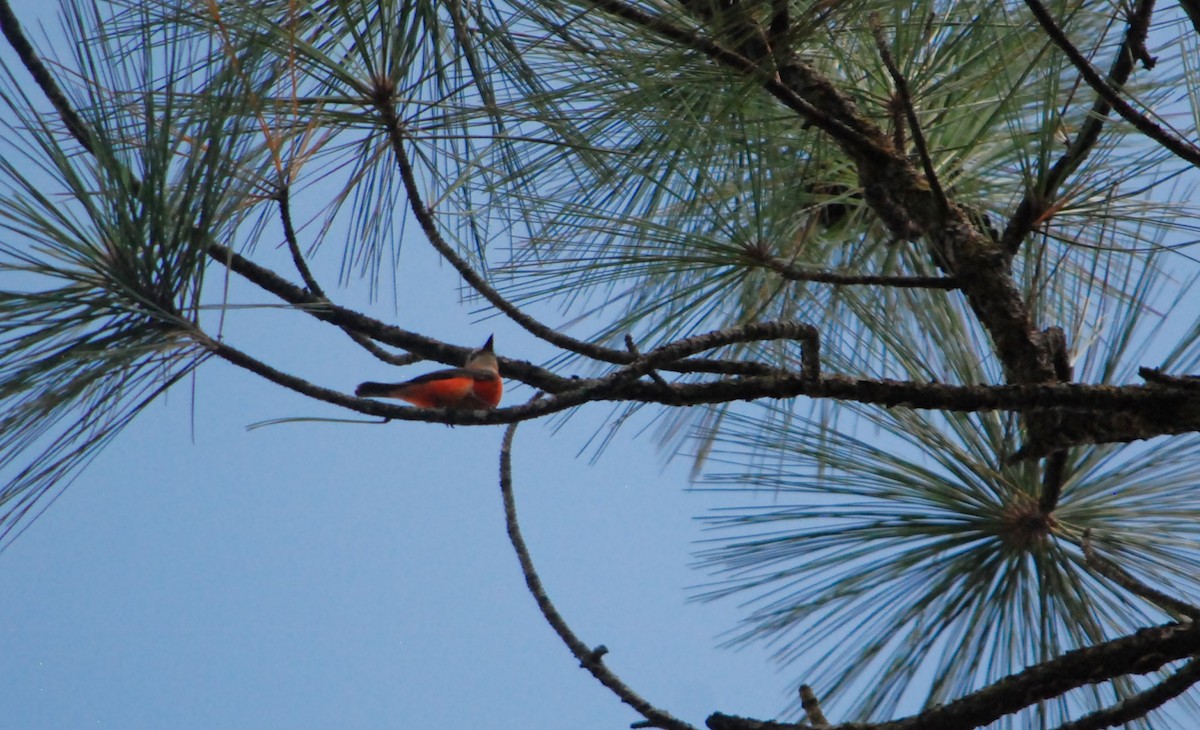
475	386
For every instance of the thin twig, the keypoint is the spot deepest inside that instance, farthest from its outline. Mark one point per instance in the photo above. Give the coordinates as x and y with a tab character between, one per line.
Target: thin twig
1181	148
911	114
1158	377
1036	202
1139	29
791	272
676	351
589	658
428	223
633	348
1123	578
283	197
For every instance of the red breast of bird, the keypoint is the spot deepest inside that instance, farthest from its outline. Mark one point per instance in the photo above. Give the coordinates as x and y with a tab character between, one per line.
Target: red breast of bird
476	386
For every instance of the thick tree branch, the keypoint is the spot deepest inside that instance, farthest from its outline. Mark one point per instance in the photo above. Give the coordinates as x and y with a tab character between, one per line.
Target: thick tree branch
1174	411
589	658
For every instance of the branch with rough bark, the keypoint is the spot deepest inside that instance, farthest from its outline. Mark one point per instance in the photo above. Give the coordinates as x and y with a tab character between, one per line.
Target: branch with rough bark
1145	651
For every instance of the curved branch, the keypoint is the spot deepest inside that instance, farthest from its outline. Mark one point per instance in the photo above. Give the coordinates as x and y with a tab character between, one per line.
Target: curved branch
283	198
752	332
428	224
432	349
425	347
589	658
1123	578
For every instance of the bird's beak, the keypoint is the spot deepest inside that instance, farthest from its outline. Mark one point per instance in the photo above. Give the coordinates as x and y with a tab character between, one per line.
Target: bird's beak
487	346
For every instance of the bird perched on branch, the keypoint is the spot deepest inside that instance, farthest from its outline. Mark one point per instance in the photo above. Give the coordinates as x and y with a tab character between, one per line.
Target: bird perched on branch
474	386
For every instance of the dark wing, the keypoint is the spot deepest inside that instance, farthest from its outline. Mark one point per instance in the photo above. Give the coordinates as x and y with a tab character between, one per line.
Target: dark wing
452	373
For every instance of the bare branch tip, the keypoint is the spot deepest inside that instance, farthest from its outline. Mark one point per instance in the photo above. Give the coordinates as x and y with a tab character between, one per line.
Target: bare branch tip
812	707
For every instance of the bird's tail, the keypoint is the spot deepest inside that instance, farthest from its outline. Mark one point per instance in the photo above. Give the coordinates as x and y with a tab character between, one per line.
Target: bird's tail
374	390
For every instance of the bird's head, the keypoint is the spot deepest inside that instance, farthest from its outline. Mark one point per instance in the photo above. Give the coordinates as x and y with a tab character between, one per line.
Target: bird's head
484	358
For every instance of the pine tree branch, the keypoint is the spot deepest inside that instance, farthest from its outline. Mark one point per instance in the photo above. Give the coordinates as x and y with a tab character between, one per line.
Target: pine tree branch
791	272
1105	567
914	124
590	659
1034	205
1180	147
283	198
1142	652
618	387
1140	704
42	77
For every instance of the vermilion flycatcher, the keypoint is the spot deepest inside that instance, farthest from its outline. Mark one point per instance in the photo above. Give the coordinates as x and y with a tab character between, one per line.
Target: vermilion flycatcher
475	386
